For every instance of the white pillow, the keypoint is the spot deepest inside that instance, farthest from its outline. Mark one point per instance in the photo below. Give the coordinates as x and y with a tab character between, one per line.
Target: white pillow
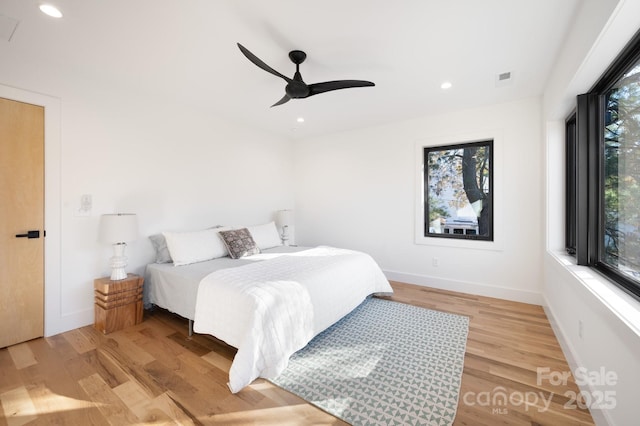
265	236
196	246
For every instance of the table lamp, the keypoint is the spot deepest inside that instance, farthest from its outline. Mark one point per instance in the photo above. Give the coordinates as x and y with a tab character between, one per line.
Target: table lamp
285	220
117	229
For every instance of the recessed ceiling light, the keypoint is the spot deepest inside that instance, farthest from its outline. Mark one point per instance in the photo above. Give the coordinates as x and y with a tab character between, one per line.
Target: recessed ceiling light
51	10
300	120
446	85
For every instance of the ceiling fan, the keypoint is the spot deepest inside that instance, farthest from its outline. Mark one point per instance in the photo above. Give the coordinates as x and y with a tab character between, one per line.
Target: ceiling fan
296	88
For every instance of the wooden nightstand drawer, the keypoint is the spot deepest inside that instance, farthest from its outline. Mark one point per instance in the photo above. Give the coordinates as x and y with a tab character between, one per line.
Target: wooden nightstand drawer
118	304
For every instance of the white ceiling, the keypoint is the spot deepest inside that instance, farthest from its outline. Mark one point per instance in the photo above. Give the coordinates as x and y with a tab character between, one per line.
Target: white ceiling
186	51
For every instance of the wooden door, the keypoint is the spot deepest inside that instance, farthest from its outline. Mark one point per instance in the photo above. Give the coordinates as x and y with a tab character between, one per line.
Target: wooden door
21	211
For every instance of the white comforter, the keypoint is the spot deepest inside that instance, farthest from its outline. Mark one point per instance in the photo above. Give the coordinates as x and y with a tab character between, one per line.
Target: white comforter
271	309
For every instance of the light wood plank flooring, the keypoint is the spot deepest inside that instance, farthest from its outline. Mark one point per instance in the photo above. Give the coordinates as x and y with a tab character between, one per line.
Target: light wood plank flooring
154	373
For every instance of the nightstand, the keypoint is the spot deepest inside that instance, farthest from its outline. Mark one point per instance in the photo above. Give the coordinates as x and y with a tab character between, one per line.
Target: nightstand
118	304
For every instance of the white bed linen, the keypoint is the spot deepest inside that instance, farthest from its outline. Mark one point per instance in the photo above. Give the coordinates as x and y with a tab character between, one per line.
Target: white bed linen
269	310
175	287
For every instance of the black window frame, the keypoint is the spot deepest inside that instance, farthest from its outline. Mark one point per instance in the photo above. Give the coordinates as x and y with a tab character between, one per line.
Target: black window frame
489	143
585	171
570	184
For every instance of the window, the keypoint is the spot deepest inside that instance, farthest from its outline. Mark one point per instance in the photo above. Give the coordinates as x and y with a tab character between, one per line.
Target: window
603	173
458	185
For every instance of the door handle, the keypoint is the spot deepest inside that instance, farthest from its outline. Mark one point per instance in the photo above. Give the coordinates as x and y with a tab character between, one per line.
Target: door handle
29	234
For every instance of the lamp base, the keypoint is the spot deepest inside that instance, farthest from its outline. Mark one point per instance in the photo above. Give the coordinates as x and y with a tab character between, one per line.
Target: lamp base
118	274
118	262
284	236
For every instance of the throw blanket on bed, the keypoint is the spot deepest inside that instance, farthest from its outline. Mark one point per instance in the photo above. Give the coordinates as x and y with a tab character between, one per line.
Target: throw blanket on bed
271	309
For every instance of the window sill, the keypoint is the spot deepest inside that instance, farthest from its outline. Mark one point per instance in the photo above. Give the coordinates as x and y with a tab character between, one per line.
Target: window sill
459	243
619	302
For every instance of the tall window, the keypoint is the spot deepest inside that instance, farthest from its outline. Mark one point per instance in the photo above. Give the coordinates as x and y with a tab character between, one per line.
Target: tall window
621	176
603	173
458	185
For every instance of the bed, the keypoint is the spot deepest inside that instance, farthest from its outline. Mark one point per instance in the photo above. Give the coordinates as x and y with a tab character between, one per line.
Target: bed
267	305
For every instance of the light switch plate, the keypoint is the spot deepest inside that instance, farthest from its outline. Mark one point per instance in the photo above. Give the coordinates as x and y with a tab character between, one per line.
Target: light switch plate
86	205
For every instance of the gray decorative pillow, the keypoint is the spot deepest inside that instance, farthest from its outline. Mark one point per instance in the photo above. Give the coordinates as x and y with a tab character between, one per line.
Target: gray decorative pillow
162	251
239	242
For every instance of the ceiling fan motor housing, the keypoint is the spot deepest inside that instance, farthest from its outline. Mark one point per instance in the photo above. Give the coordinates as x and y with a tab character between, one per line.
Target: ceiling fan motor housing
297	89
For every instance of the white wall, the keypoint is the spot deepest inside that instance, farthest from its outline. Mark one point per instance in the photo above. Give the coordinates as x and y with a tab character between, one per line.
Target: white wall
177	167
609	337
357	189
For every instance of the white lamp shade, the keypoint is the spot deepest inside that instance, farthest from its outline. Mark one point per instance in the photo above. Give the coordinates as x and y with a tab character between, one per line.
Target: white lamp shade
118	228
285	218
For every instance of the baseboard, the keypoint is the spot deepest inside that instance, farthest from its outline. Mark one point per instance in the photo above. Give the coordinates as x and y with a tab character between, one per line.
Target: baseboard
599	416
69	321
480	289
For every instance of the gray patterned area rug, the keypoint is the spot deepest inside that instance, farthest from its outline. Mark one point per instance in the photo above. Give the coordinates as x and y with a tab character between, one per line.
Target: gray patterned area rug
386	363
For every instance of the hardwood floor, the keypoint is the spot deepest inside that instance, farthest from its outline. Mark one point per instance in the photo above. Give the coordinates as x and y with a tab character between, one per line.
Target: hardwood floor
154	373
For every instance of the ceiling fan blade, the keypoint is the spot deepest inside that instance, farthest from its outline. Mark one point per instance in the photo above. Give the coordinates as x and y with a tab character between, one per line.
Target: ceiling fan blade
285	98
328	86
258	62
